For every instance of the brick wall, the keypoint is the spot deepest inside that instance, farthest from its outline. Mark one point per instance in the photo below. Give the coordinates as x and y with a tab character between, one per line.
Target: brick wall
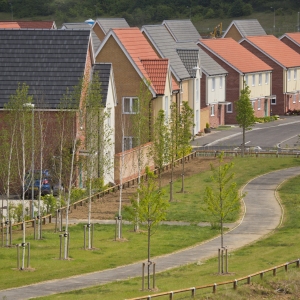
276	77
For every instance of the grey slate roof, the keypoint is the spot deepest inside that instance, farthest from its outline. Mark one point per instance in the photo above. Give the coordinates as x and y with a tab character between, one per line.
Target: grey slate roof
247	27
108	23
182	30
189	58
84	26
103	71
49	61
166	46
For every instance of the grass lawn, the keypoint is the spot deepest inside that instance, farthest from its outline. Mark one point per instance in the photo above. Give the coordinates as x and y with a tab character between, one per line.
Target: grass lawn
280	247
188	207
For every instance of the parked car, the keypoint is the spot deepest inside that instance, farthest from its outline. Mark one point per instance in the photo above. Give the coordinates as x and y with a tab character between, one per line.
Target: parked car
56	189
43	184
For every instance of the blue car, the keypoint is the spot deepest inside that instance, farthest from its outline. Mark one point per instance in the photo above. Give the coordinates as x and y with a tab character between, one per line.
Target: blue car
44	185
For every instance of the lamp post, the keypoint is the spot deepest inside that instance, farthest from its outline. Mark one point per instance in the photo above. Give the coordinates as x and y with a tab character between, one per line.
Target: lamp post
274	19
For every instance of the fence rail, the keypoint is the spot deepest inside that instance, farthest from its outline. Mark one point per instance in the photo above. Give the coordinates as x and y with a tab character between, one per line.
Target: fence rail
214	286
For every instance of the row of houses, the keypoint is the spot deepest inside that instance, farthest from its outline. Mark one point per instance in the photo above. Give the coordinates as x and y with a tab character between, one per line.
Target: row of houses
171	59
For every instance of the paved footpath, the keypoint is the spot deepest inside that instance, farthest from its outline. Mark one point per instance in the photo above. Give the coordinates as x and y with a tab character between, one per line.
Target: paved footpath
262	215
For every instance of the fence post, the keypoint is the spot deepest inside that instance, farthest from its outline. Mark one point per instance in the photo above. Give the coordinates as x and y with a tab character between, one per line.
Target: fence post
153	275
28	255
18	256
249	280
214	288
84	237
143	276
193	292
298	263
171	295
261	275
274	272
235	284
286	267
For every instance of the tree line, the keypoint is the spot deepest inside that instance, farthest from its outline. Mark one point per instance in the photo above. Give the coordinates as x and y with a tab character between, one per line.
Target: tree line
139	12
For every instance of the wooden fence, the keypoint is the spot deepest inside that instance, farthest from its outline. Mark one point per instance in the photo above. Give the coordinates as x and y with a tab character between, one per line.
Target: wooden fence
214	286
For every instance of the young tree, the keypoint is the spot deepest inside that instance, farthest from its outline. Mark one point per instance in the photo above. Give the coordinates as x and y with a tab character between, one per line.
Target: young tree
151	209
173	145
185	125
20	106
161	140
222	197
97	139
140	126
245	113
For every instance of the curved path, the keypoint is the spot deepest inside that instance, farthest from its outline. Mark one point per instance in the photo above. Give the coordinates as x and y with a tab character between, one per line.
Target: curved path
262	216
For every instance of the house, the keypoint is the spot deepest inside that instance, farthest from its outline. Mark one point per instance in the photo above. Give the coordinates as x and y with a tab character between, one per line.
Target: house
292	39
187	79
50	62
28	24
182	30
242	67
239	29
136	67
213	91
102	26
285	63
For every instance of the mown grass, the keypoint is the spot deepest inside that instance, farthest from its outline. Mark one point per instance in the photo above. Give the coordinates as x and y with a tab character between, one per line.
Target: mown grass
108	253
280	247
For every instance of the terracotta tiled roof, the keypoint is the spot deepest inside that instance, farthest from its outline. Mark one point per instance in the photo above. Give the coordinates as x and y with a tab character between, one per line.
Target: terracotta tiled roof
157	70
235	54
275	48
27	24
139	49
9	25
295	36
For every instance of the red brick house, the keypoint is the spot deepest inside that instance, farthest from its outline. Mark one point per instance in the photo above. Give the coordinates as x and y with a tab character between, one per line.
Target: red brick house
285	63
292	40
241	66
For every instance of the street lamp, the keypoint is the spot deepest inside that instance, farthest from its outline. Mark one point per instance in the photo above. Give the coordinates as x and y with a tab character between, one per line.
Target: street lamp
274	19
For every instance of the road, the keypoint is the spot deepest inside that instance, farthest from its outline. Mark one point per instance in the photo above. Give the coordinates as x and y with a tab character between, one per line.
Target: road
283	132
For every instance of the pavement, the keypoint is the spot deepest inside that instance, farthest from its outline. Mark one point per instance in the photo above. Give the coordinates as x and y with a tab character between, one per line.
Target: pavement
262	214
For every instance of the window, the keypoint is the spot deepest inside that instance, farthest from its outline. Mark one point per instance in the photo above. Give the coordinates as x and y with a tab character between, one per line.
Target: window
294	98
212	110
166	108
130	105
253	105
246	79
259	79
258	104
289	75
229	108
129	142
273	101
221	82
267	78
253	80
213	83
295	74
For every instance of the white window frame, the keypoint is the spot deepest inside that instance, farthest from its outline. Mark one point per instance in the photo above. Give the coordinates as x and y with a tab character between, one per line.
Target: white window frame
259	79
130	139
294	98
258	104
131	100
253	80
213	83
289	74
229	108
212	110
273	101
221	82
295	74
267	78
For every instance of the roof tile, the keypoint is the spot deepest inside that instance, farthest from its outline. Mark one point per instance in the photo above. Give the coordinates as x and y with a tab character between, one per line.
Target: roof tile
235	54
275	48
